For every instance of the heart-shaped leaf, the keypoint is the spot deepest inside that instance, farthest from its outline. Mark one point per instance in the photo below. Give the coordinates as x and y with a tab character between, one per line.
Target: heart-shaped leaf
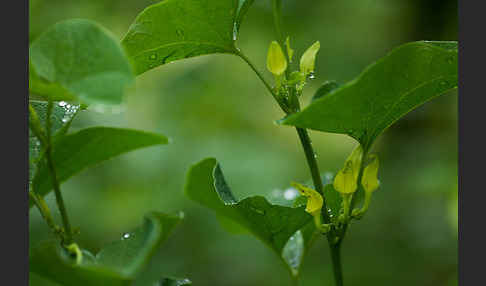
404	79
75	152
272	224
118	264
178	29
79	59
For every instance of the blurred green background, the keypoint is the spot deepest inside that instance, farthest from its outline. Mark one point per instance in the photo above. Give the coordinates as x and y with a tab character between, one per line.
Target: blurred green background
215	106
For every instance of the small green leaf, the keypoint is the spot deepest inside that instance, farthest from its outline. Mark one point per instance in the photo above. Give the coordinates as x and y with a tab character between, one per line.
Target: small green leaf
77	151
174	30
325	89
272	224
116	265
79	59
401	81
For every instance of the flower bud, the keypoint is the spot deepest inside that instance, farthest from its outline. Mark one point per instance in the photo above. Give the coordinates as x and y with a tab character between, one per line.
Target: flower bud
276	62
308	59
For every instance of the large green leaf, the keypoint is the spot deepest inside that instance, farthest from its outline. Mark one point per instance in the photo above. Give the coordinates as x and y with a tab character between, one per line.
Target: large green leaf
79	59
178	29
407	77
118	264
272	224
61	116
77	151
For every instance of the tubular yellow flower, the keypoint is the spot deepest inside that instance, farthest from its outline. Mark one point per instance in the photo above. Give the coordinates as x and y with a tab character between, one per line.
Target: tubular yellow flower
276	62
370	181
314	199
356	157
345	180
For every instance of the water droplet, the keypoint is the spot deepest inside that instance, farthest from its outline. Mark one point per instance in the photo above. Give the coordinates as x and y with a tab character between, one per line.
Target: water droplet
62	103
126	236
290	194
311	75
315	155
153	57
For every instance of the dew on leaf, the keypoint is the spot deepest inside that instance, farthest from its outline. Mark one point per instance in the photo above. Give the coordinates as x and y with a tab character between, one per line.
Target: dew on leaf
126	236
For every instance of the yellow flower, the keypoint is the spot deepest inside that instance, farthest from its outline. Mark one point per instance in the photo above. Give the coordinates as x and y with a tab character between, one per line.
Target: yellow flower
370	181
314	199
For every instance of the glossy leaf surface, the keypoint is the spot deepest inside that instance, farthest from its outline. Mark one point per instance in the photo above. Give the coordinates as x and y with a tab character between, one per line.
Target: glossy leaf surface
406	78
115	265
178	29
272	224
77	151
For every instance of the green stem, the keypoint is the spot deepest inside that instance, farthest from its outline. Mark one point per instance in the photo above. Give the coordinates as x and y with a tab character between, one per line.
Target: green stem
55	181
44	211
336	262
262	79
310	156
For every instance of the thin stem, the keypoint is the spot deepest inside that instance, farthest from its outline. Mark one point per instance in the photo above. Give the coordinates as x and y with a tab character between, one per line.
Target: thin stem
311	157
314	169
55	181
44	211
262	79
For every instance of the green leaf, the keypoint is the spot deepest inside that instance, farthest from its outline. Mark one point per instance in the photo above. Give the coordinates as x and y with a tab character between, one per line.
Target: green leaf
178	29
79	59
404	79
61	116
78	151
326	88
272	224
118	264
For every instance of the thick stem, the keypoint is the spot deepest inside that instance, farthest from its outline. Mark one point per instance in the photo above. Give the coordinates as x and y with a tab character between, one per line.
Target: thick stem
336	262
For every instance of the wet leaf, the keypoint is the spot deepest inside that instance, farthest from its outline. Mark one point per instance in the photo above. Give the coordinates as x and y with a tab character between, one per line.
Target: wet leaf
401	81
272	224
175	30
77	151
118	264
79	59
